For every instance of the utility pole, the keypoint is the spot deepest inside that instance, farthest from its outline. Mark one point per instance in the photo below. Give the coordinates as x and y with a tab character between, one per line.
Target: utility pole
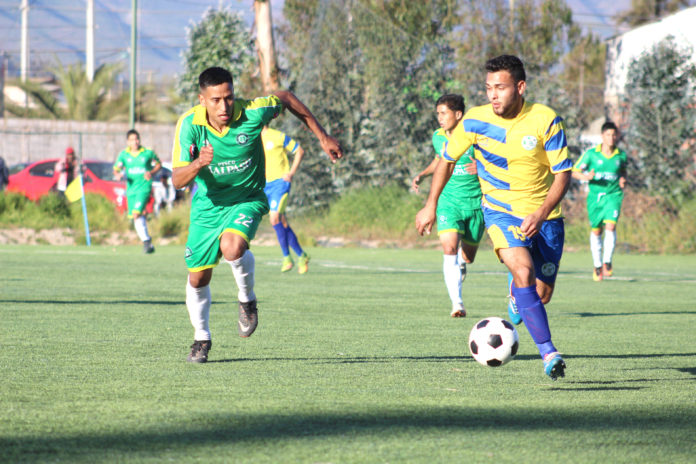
133	51
89	48
24	60
3	66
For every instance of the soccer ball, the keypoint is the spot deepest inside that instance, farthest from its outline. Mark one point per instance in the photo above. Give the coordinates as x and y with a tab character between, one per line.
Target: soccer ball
493	341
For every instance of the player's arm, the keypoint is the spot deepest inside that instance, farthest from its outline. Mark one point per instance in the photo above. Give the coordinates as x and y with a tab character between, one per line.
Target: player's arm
532	223
149	174
424	173
329	144
118	169
297	159
426	216
184	175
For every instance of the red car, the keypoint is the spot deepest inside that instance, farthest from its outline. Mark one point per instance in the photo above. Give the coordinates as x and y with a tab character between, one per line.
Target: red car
38	179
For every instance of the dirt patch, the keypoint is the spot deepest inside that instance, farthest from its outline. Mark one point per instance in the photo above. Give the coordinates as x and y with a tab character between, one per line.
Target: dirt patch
63	236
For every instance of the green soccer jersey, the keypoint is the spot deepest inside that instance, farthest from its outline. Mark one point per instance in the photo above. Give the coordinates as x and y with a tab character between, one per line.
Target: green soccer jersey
135	165
607	169
238	171
462	188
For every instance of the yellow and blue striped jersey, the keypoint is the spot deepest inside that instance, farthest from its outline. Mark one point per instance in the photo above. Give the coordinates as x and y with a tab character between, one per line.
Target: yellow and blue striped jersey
277	145
516	158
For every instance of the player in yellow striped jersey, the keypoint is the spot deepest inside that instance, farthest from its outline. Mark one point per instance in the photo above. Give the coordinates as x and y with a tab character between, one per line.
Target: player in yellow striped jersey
279	174
523	166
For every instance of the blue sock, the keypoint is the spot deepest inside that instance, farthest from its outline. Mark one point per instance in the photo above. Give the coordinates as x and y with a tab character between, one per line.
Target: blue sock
292	241
282	238
534	316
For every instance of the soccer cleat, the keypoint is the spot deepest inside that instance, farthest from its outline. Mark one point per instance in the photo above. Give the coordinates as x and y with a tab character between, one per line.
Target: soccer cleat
458	310
287	264
554	366
199	351
303	263
248	318
597	274
148	247
607	270
513	312
462	269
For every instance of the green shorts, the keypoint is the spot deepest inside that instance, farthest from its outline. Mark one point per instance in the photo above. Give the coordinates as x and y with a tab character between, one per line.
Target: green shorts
137	202
206	228
468	223
603	208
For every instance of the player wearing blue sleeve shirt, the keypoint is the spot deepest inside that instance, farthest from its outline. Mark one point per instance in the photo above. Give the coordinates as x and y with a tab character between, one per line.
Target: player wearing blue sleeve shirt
524	171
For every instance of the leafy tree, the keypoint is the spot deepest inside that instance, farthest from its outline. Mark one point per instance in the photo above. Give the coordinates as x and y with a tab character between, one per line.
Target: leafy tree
538	32
660	94
373	82
583	74
645	11
222	39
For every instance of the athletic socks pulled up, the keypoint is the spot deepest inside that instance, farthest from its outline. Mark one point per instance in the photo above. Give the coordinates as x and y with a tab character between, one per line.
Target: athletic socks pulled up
534	316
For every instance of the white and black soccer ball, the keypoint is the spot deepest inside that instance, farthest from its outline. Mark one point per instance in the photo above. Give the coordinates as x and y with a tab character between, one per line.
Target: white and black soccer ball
493	341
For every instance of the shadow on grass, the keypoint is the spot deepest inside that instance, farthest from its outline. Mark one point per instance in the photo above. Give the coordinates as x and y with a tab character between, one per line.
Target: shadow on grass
639	313
99	302
389	359
253	431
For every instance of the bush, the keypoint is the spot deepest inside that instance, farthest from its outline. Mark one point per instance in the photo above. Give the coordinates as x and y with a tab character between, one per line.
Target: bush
371	213
55	206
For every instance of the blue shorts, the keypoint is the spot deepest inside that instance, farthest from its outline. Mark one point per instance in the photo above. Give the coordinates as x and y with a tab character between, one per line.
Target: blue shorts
277	193
546	247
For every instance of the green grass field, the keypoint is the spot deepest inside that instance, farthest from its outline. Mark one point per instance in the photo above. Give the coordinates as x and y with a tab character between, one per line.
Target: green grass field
356	362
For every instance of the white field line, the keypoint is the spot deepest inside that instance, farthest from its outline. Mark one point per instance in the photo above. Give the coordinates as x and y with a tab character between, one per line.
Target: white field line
680	278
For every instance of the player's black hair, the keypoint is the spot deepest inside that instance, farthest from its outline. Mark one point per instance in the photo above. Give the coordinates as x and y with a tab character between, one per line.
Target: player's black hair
131	132
609	125
214	76
453	101
509	63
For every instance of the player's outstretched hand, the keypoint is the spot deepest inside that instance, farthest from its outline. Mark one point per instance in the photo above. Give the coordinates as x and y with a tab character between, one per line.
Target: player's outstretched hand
332	147
425	220
414	184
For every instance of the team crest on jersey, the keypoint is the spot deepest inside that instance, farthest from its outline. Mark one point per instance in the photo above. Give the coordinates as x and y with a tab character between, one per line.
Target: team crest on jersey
242	139
548	269
529	142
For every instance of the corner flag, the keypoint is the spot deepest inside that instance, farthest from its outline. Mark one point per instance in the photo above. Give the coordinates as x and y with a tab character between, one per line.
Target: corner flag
73	191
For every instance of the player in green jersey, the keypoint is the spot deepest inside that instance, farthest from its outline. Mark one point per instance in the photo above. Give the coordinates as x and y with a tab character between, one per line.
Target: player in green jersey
218	145
138	164
604	168
459	216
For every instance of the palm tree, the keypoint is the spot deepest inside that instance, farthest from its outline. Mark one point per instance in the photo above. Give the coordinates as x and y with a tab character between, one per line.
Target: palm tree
82	99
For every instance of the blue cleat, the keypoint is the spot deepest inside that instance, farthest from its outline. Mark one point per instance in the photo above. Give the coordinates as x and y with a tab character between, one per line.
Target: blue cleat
554	366
513	313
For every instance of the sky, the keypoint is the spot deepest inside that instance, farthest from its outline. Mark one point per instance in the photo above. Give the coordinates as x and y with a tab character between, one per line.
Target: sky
57	29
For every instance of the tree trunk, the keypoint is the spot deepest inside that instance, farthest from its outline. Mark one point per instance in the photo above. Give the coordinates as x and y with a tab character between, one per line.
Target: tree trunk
265	47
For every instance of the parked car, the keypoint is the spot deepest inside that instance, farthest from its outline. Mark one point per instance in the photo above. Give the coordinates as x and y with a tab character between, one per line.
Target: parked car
38	179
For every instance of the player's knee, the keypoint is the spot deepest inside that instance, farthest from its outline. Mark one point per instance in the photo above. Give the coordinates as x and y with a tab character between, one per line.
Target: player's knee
200	279
232	246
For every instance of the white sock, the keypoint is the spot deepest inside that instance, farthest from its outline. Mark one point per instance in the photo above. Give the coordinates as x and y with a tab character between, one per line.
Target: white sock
596	248
140	224
453	278
609	244
198	305
243	271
